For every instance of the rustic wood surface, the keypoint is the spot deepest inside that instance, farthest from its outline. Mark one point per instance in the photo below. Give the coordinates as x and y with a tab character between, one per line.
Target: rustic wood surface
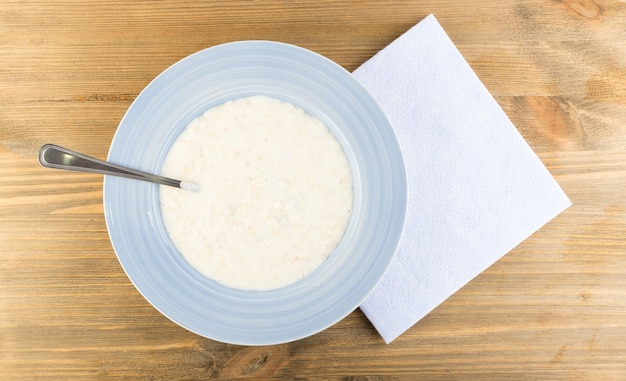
552	309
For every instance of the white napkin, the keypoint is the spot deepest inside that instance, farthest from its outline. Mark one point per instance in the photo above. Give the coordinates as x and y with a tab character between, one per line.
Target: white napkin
476	189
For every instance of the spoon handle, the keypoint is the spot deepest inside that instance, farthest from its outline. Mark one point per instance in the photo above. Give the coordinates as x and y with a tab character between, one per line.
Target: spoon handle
53	156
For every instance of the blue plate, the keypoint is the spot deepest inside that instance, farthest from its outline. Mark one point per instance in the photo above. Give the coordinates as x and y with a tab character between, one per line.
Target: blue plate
326	91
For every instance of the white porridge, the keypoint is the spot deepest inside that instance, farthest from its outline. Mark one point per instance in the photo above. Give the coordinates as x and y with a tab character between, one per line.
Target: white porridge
275	193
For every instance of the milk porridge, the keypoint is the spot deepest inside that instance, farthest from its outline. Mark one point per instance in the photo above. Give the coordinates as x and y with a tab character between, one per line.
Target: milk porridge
275	193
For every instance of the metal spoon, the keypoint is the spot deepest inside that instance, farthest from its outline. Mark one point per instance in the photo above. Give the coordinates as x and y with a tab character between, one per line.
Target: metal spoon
53	156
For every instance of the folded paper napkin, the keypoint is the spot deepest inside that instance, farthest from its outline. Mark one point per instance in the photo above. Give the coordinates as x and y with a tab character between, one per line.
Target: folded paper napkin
476	189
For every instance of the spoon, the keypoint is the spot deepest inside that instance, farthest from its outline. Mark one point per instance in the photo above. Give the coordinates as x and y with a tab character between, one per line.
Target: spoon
53	156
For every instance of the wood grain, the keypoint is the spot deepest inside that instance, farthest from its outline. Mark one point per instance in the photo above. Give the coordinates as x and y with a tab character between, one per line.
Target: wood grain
552	309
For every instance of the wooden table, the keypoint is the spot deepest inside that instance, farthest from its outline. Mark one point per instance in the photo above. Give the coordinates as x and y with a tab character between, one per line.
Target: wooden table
552	309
